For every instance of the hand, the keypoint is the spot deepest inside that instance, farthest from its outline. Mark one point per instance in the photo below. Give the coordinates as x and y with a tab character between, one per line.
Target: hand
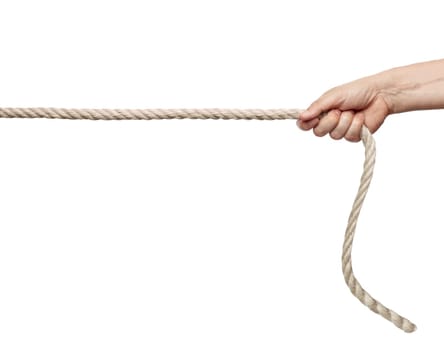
346	109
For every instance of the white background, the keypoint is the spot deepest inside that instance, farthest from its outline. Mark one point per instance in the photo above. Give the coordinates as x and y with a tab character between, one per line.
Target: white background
211	234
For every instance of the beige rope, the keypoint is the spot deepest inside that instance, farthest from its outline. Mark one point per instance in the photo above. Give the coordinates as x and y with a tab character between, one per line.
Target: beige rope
249	114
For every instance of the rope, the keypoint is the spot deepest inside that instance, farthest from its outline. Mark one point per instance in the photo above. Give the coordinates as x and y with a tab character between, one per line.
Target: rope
247	114
149	114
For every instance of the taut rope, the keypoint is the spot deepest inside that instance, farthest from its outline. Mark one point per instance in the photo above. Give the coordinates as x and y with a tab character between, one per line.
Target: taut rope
249	114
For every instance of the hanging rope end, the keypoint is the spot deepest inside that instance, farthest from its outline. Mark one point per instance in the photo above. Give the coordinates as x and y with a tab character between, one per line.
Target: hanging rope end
409	327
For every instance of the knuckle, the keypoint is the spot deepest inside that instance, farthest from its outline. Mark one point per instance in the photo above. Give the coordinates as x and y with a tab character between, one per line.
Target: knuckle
352	138
373	128
335	135
303	125
318	132
333	116
336	113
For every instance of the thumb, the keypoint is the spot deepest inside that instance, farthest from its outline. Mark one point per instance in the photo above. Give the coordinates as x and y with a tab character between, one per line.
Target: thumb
318	107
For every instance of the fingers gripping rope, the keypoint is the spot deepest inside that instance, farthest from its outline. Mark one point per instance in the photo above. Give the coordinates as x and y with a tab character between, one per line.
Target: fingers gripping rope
247	114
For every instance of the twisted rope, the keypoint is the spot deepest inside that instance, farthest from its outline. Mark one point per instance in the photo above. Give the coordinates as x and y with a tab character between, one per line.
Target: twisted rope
248	114
149	114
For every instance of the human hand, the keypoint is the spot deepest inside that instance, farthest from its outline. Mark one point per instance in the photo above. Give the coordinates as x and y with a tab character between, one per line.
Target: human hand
343	110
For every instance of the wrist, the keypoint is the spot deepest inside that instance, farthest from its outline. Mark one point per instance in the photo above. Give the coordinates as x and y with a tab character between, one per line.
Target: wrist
415	87
394	86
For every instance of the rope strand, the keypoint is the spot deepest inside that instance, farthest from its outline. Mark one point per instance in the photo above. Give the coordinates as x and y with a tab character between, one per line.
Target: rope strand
247	114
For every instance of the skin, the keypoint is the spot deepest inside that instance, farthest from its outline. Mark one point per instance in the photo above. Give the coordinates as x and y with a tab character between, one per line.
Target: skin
342	111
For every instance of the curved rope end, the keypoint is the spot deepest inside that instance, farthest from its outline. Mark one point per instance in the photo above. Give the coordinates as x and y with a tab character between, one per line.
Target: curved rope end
355	287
